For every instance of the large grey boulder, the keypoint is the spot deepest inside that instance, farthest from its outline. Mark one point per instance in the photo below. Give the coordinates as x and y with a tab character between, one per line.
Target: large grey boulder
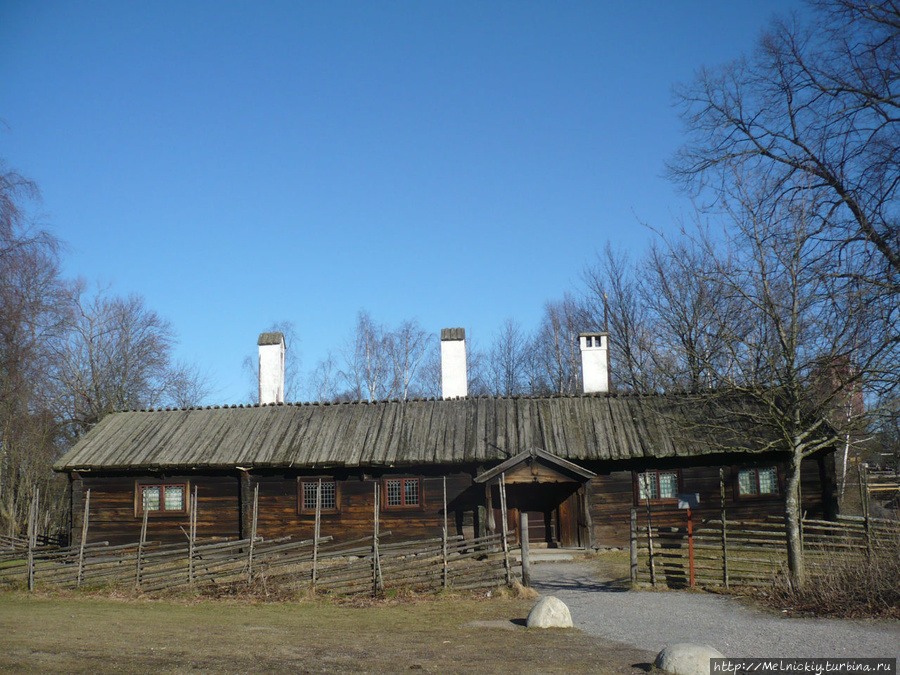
549	612
686	659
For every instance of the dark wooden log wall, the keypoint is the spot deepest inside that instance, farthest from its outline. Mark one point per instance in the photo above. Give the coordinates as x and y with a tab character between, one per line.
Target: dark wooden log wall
225	506
226	501
113	517
612	495
278	502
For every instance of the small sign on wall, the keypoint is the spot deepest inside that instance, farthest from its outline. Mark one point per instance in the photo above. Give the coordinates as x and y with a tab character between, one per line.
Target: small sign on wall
689	500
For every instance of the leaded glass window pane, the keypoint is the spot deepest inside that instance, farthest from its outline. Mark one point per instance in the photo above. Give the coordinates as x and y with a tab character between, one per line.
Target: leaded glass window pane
151	498
174	498
411	492
394	493
329	496
648	486
768	481
668	485
328	499
747	481
309	496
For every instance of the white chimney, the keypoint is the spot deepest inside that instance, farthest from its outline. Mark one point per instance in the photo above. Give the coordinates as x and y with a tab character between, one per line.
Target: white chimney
271	368
595	362
454	380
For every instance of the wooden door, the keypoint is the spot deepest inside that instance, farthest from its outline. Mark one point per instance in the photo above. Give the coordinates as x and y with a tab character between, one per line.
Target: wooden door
569	511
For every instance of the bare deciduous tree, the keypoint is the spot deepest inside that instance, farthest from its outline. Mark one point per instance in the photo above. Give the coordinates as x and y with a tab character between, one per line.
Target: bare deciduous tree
812	122
556	363
323	381
31	310
116	354
820	101
366	360
690	314
507	370
615	303
812	337
407	347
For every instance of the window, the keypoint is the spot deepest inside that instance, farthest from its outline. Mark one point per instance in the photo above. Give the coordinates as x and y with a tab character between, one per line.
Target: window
161	499
657	485
758	481
307	496
400	492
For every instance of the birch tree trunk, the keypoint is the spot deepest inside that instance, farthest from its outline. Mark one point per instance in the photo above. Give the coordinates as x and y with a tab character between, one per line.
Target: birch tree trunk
792	515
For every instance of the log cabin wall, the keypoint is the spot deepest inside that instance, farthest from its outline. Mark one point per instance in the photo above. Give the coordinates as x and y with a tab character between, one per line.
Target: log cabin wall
225	502
613	493
280	513
114	517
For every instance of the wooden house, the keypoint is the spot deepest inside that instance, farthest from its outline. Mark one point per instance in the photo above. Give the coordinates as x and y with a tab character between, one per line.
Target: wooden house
576	464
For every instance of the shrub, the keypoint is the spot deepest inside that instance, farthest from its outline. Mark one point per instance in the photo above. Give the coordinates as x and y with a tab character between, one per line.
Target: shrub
848	585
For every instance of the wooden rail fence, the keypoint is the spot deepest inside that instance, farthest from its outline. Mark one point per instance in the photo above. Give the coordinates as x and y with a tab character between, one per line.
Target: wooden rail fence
729	552
367	565
339	568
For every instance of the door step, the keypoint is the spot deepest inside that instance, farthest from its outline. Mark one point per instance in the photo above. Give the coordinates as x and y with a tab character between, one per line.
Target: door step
550	554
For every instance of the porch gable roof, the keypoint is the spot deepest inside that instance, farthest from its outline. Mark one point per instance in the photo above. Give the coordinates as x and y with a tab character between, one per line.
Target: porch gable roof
534	454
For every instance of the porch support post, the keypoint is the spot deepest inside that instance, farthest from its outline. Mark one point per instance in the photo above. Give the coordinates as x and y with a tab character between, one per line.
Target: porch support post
588	522
490	522
525	550
76	507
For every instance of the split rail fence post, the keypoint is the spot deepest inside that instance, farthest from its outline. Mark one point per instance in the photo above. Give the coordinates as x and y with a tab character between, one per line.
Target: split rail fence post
645	482
253	522
690	532
84	533
316	531
32	539
192	536
724	527
377	580
505	526
864	487
446	576
634	547
525	549
138	570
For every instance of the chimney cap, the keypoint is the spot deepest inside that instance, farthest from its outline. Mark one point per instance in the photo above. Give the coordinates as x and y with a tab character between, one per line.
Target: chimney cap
270	339
453	334
594	334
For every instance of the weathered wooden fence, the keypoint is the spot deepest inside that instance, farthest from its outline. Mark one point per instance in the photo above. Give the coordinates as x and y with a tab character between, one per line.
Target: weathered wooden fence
361	566
735	553
367	565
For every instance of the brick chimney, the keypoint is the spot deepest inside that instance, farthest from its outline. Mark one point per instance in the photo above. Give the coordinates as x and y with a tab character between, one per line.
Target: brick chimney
594	362
271	368
454	379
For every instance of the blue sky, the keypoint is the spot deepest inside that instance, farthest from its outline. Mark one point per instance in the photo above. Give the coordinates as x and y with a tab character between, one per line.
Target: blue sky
239	163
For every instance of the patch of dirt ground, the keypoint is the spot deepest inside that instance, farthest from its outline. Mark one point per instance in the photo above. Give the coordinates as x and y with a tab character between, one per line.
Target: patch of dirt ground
90	634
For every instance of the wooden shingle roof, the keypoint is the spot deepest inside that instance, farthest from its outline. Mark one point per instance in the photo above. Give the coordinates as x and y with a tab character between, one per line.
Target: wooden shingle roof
407	433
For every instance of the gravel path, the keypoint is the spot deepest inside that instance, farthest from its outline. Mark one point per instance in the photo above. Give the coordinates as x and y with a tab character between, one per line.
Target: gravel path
650	620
